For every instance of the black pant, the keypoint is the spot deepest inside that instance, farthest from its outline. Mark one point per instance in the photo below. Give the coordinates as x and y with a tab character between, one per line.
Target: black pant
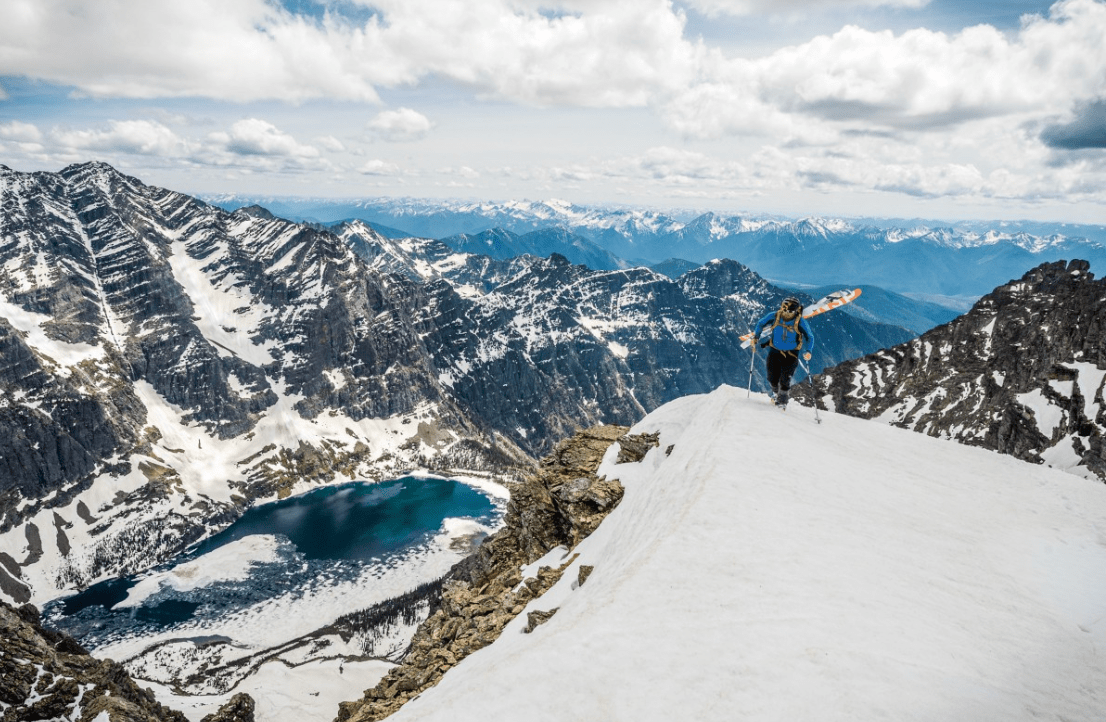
781	367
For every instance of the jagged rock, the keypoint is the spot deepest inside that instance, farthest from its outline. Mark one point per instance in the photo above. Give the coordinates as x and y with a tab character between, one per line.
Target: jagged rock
46	675
583	574
634	448
239	708
557	506
537	618
1021	373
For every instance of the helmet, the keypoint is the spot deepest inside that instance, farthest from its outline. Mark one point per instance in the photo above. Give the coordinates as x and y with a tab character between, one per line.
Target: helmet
791	305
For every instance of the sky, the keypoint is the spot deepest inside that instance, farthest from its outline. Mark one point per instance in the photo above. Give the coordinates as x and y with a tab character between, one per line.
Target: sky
914	108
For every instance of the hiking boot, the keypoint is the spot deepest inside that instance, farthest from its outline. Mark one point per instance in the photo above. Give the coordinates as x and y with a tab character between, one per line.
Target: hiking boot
781	399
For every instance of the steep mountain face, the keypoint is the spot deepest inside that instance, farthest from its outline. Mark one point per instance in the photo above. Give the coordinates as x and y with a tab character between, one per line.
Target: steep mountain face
166	363
1021	373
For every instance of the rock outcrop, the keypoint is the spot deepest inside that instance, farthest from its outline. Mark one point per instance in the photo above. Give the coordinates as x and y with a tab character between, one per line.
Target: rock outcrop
45	675
556	507
1022	373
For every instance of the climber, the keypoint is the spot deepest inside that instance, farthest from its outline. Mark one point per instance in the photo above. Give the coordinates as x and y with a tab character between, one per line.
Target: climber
789	335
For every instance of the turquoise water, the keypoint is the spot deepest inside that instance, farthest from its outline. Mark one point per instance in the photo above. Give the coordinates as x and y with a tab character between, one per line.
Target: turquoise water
333	531
359	521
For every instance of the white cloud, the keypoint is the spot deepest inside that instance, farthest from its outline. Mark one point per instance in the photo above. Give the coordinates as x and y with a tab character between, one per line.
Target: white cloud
329	142
252	136
602	53
775	7
227	49
20	132
378	167
247	145
918	80
140	137
608	53
400	125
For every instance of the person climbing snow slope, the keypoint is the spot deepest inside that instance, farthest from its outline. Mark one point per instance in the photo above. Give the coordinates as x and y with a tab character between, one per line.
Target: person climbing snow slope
790	335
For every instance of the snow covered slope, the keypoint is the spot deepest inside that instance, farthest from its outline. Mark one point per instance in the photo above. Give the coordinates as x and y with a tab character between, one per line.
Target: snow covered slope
768	568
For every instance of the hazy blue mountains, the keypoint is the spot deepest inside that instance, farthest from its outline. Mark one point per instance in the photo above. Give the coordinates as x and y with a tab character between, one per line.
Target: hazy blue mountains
964	259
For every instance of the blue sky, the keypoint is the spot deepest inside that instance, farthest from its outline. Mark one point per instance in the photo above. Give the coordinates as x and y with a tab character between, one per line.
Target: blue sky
937	109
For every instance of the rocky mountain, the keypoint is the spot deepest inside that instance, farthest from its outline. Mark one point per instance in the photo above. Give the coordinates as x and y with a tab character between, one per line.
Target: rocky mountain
1021	373
165	363
964	259
503	244
47	675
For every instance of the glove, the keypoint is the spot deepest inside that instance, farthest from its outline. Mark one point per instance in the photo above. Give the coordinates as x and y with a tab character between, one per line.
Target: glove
806	356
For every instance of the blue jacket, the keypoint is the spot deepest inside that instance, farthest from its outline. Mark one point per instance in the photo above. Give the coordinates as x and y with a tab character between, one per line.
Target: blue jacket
783	337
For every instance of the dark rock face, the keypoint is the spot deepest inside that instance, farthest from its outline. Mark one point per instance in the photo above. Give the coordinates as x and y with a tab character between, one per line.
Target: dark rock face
240	708
45	675
1021	373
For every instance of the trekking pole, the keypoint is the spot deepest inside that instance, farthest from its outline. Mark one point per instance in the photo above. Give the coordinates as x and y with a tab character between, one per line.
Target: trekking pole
814	396
752	360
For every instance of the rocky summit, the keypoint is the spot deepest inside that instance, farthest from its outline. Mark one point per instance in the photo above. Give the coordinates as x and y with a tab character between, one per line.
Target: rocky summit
1021	373
165	364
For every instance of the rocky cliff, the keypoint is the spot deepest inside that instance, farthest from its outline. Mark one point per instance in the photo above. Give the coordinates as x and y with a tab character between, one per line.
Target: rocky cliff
553	509
1021	373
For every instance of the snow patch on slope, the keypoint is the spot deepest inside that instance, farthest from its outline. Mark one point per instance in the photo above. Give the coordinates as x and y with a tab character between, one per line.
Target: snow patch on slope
886	575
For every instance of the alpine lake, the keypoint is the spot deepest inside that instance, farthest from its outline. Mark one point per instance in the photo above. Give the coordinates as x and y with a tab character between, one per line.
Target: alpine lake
329	535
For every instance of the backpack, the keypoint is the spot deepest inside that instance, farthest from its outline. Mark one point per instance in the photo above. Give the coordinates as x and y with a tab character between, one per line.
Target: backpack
784	335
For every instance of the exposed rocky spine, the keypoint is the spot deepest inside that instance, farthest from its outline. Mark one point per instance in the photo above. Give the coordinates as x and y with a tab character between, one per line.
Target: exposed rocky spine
558	506
46	675
1022	373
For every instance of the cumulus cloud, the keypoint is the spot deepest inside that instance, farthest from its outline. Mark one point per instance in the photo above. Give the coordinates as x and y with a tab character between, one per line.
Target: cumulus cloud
378	167
329	142
248	144
226	49
602	53
1086	130
140	137
400	125
252	136
773	7
20	132
914	81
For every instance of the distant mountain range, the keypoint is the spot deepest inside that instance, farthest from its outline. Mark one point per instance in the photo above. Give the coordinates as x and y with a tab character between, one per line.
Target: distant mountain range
964	259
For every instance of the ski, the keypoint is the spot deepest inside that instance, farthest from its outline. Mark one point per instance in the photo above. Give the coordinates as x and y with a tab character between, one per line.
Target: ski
827	303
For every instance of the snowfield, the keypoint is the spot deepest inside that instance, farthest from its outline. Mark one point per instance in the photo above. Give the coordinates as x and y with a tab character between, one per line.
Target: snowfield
773	569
